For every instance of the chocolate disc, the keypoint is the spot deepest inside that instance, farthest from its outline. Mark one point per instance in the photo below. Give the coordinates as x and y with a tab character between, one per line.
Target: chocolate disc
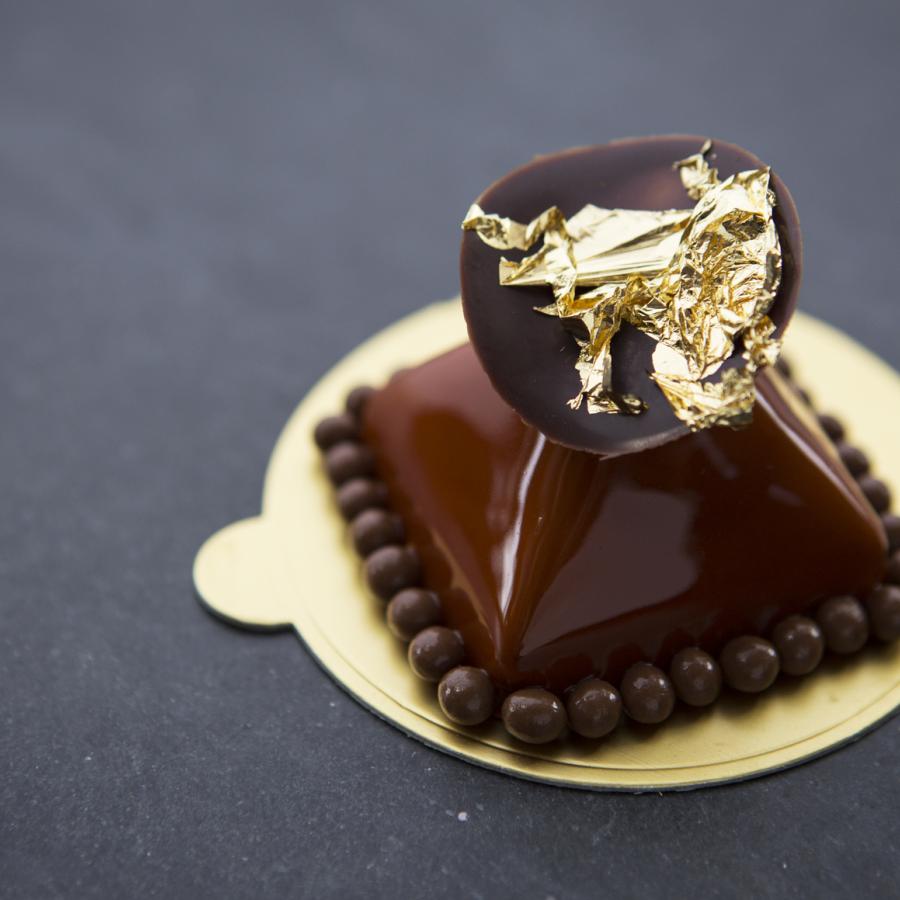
530	357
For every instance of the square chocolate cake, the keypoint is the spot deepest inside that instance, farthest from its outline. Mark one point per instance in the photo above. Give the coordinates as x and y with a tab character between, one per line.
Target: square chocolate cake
555	564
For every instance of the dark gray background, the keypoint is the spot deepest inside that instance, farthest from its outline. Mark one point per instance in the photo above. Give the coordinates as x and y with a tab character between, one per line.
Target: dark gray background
202	207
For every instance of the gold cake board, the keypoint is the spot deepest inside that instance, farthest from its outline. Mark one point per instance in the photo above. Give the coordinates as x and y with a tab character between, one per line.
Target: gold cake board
292	566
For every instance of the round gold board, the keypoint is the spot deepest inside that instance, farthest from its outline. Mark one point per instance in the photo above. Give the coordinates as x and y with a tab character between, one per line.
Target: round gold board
293	566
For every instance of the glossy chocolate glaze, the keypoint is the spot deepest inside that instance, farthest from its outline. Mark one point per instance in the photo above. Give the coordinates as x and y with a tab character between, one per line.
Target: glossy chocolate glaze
514	342
556	564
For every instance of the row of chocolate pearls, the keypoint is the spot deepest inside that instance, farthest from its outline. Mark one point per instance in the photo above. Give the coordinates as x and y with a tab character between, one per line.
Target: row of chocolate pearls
594	707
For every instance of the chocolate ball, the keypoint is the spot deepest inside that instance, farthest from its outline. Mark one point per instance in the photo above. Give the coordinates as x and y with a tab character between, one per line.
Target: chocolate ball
749	663
892	530
534	715
783	366
804	395
435	651
800	644
392	568
376	528
832	427
883	606
877	493
856	462
335	430
357	400
411	610
696	676
844	624
647	694
361	493
892	574
466	695
594	707
348	460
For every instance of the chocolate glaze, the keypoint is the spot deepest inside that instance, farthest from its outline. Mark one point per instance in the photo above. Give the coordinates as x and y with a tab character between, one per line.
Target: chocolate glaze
556	564
531	358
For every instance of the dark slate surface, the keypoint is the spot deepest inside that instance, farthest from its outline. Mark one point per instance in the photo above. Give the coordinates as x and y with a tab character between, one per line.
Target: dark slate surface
202	206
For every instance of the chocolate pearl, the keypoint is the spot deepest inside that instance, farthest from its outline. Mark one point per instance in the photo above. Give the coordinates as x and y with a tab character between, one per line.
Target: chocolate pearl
804	396
434	651
534	715
392	568
361	493
892	574
883	606
357	400
466	695
832	426
411	610
335	430
853	458
877	493
375	528
594	708
844	623
749	663
783	366
348	460
892	530
800	644
696	676
647	693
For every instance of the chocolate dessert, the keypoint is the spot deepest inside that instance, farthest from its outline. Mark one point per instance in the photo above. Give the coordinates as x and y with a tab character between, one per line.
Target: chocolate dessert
612	500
